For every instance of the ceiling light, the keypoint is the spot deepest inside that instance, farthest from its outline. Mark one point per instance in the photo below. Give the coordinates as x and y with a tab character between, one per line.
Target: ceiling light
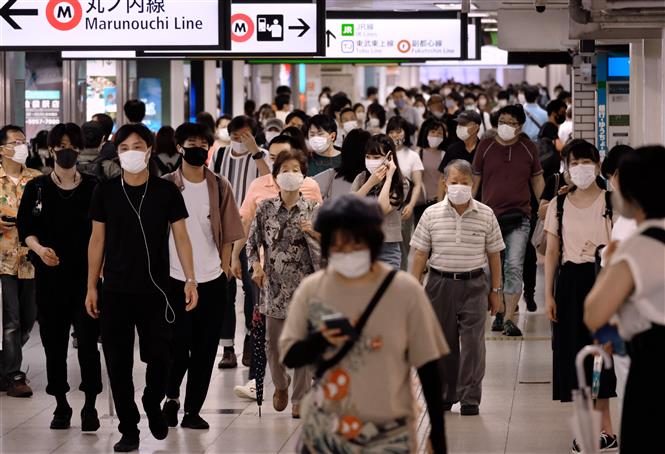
454	6
493	29
478	14
489	20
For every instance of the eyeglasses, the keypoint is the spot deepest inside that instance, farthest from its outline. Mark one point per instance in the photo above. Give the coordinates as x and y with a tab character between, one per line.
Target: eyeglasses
15	143
509	123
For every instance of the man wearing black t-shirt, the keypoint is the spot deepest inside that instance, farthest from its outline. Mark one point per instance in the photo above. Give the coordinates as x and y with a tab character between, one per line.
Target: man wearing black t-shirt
131	217
468	125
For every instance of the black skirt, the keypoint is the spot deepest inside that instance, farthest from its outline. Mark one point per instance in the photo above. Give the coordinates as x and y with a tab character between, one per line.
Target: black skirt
570	334
643	420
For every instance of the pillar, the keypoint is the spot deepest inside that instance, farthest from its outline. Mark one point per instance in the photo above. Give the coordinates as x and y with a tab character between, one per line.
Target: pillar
647	92
584	103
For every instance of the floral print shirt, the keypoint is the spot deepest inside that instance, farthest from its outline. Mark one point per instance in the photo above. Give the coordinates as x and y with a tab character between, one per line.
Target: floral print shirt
289	253
13	256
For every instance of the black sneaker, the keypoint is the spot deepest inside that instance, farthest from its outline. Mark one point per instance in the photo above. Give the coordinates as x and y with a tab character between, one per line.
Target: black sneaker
127	444
497	325
191	421
470	410
608	443
530	303
510	330
89	420
156	421
62	418
170	412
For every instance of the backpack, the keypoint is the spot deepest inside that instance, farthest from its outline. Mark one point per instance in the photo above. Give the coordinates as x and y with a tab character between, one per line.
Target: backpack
547	153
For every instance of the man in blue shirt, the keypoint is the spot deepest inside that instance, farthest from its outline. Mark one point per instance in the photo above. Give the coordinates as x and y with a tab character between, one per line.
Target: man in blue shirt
536	116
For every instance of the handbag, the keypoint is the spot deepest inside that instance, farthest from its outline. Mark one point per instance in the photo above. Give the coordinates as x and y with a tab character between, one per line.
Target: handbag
324	432
539	237
510	220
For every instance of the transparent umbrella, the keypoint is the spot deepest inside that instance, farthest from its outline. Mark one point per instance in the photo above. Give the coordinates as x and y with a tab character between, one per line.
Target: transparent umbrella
587	420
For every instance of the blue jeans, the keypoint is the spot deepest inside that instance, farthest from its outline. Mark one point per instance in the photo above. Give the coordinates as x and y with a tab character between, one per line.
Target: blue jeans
391	253
513	260
19	312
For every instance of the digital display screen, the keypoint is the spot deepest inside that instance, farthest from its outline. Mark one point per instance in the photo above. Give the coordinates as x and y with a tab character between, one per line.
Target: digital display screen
618	67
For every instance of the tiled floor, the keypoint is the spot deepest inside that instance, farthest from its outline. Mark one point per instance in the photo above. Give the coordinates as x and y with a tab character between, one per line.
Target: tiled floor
517	413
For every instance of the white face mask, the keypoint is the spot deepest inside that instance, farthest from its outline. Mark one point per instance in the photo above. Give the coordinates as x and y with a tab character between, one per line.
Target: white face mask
502	102
372	164
521	98
446	91
21	153
437	114
133	161
434	141
421	111
459	194
223	134
351	265
583	175
271	135
360	116
238	147
290	181
43	153
506	132
349	126
319	144
470	107
374	123
462	132
390	105
324	101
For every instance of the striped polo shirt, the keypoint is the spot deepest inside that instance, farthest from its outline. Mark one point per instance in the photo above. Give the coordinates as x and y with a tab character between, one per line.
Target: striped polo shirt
458	243
239	170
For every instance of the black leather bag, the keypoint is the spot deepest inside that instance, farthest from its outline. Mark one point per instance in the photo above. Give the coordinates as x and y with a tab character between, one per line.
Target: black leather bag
510	220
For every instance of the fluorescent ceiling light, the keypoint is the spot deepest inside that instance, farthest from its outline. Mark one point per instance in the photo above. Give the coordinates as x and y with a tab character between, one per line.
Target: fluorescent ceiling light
453	6
489	20
494	29
479	14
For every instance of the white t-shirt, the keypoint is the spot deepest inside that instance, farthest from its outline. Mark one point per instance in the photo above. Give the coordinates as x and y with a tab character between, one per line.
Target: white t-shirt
565	131
207	264
409	162
645	257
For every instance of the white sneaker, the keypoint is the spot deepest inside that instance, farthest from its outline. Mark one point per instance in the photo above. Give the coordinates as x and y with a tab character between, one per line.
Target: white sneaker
247	391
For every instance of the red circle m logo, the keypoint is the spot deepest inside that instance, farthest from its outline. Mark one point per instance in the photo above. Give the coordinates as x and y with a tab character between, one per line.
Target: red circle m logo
242	27
64	15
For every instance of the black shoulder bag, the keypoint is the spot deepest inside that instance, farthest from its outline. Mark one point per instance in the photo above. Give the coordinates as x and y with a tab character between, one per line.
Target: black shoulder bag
325	365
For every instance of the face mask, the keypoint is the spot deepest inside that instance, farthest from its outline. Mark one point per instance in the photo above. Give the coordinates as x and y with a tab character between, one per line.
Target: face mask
521	98
239	147
360	116
434	141
459	194
400	103
319	144
324	101
195	156
43	153
349	126
133	161
372	164
450	103
391	105
21	153
290	181
351	265
502	102
583	175
398	141
560	119
421	110
374	122
223	134
482	102
470	107
271	135
66	158
462	132
438	115
446	91
506	132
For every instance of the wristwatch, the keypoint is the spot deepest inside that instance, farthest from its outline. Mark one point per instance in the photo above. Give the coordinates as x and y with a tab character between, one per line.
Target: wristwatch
258	155
498	290
192	281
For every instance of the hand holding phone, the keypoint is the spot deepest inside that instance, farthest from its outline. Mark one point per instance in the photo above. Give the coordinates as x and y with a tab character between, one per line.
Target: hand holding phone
337	329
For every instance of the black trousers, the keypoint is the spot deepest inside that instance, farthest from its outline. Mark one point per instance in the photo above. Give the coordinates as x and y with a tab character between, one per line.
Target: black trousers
530	266
228	330
61	305
195	340
121	314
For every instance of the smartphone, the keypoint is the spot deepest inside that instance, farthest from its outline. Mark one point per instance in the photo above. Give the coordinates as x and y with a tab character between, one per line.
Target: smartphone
338	321
385	160
8	219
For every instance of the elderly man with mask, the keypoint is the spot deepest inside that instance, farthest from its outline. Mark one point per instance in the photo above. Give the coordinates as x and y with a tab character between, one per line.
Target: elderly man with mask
463	237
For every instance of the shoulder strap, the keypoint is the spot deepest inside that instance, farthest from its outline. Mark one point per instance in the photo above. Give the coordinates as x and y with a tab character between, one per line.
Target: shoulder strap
532	118
609	212
655	233
560	200
325	365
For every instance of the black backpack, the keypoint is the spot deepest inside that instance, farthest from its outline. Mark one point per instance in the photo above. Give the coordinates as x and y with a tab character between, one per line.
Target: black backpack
547	154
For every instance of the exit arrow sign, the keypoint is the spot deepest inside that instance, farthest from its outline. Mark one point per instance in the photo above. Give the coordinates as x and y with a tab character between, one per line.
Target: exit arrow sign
6	12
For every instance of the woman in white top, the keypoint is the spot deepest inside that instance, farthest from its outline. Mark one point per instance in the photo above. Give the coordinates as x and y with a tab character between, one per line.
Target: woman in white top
577	223
633	287
400	130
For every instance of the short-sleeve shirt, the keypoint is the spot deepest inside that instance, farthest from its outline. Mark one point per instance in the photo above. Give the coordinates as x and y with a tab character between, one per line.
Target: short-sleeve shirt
409	162
239	170
392	224
125	259
579	226
458	243
506	172
550	131
318	163
455	151
402	333
264	188
645	257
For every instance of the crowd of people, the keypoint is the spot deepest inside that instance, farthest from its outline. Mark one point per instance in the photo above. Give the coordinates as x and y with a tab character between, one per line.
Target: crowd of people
319	217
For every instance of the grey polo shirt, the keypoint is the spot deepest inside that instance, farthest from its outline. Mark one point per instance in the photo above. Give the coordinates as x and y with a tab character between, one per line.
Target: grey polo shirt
458	243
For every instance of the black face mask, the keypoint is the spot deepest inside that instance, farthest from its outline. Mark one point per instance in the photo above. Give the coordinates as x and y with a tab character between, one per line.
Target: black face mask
195	156
66	158
560	119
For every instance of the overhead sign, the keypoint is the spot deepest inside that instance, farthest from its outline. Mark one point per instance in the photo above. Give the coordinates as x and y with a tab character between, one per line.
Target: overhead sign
284	28
114	24
386	35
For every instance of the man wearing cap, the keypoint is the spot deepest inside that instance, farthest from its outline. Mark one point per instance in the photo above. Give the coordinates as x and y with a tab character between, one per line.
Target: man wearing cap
463	236
468	125
273	128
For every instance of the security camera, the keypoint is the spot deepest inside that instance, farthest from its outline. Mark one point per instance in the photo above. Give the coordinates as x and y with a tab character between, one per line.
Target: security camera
540	5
